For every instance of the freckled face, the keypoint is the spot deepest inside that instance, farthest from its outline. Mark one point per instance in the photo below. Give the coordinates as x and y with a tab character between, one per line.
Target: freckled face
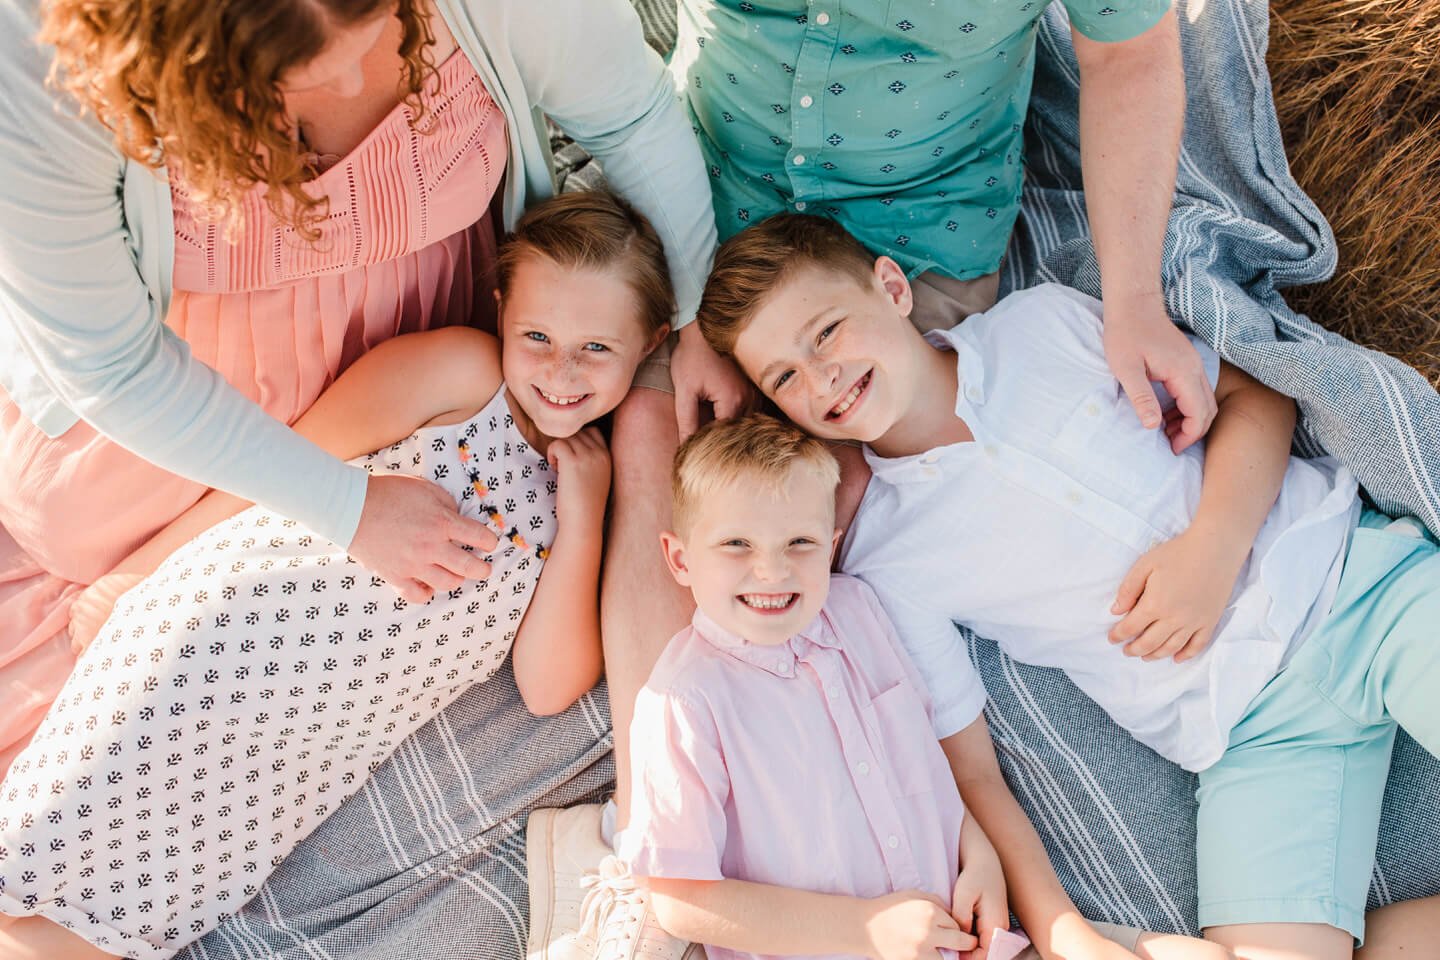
757	562
571	340
823	347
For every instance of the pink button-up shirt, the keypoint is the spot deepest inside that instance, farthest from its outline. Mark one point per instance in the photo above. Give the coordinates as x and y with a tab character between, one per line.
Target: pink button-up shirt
809	764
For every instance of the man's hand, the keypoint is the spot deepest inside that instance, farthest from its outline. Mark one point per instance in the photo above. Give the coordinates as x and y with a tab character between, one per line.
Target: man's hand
582	468
1142	345
1173	596
701	375
911	925
411	534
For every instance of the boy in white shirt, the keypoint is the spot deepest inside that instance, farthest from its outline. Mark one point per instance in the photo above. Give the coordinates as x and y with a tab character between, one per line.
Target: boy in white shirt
1196	593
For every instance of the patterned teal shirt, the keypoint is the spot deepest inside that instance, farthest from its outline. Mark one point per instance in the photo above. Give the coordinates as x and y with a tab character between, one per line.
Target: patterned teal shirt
902	120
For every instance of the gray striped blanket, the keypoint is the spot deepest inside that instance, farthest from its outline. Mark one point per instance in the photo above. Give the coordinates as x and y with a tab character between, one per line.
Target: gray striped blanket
428	861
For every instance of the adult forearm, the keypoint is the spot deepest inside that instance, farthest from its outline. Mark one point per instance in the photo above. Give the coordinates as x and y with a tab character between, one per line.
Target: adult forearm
760	918
1132	108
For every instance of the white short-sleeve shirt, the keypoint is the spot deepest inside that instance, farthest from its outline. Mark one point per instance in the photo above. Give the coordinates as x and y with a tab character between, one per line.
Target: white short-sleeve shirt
1025	533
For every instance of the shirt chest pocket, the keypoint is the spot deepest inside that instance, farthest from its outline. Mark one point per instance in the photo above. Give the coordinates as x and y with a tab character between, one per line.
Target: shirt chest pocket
1105	452
903	741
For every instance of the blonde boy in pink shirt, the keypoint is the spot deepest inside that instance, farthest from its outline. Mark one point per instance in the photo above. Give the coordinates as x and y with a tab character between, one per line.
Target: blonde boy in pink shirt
790	795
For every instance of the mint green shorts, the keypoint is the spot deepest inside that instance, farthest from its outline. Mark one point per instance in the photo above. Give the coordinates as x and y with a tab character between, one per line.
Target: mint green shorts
1290	814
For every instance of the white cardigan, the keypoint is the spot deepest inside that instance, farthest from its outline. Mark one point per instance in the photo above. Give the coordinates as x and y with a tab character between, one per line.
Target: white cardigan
87	242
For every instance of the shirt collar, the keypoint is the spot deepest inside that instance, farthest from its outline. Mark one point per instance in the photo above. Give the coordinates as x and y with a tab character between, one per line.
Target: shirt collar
969	393
778	658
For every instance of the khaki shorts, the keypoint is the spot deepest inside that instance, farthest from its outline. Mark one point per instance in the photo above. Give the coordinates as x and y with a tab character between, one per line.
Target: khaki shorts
940	303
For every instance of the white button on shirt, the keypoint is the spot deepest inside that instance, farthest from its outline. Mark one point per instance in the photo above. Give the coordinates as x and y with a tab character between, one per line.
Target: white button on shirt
1028	545
822	18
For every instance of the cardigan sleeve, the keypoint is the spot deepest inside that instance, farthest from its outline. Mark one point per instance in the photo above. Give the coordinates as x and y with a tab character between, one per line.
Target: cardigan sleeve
87	331
585	63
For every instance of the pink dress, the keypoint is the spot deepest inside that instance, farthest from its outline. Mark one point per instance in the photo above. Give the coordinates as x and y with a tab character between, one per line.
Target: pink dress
408	244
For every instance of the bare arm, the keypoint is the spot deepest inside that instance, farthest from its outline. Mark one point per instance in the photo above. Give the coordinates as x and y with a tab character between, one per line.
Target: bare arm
557	649
1132	108
404	383
1174	595
1045	910
766	919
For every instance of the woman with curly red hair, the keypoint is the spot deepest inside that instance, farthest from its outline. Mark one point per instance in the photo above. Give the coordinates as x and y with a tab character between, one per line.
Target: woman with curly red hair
212	207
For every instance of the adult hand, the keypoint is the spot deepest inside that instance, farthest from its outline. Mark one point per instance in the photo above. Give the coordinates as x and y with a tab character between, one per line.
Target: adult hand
1142	345
411	534
702	376
582	468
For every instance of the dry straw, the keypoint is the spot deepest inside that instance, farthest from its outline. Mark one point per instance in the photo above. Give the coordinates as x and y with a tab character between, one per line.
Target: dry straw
1357	89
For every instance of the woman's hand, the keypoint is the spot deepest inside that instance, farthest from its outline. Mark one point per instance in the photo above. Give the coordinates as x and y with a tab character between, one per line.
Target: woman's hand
412	535
582	478
93	606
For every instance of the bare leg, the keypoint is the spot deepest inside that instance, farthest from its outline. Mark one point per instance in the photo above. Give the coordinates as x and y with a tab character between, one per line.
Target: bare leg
1171	946
35	938
1402	931
641	606
1284	941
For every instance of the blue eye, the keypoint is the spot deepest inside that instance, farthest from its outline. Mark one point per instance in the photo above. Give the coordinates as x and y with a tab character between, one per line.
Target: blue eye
537	336
594	347
824	334
802	542
781	380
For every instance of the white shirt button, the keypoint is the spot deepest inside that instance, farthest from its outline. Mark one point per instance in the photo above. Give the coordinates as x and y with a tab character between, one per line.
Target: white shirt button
930	472
1074	497
973	393
892	841
929	458
822	18
991	450
799	159
806	100
832	692
800	205
862	768
1092	408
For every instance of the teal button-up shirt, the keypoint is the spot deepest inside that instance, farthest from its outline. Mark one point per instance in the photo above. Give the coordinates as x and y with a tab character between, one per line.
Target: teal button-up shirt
901	120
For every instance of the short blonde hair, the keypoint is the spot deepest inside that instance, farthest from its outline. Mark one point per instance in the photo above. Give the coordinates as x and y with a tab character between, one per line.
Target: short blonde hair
598	230
757	449
753	263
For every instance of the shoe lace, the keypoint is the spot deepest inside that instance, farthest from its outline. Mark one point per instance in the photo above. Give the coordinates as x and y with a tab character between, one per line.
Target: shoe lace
611	908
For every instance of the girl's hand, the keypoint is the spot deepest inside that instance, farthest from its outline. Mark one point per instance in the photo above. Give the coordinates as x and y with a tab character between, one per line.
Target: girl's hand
1174	595
979	901
582	468
93	606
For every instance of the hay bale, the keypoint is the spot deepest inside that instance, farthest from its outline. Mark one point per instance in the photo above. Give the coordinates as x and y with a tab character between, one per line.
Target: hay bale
1357	90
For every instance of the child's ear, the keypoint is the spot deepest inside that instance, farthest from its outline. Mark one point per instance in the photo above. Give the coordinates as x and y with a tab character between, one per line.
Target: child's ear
657	338
674	550
890	276
835	544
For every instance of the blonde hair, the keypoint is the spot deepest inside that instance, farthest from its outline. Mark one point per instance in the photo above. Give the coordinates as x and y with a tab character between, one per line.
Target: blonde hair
597	230
753	263
757	449
195	84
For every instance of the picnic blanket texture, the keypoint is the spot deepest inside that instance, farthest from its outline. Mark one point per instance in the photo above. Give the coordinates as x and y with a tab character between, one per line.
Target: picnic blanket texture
428	859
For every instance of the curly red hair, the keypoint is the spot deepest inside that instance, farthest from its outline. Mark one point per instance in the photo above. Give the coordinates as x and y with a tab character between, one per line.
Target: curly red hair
195	84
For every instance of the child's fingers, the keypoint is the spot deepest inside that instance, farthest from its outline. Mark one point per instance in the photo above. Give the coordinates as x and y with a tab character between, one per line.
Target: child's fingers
1172	645
1149	640
952	938
993	914
1131	588
1195	646
1132	624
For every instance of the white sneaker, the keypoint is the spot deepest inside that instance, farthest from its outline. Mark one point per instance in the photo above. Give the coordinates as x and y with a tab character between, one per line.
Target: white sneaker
617	914
562	847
